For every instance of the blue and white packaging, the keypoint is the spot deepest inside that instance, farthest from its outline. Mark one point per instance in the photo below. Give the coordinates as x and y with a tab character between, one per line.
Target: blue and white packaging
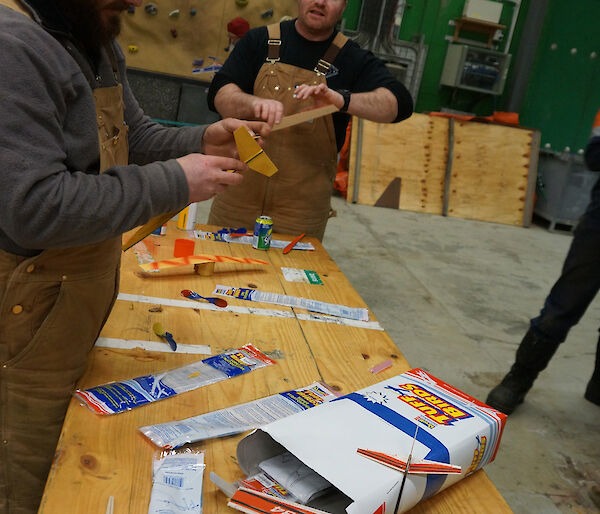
115	397
237	418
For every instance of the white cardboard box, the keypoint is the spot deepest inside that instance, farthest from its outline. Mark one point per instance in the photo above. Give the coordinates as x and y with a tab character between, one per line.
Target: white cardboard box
453	428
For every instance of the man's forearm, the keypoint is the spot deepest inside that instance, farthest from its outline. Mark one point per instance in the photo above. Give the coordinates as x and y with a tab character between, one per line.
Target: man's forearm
232	102
379	105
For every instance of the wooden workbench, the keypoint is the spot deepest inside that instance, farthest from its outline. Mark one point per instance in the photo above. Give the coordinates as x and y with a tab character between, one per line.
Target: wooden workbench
98	457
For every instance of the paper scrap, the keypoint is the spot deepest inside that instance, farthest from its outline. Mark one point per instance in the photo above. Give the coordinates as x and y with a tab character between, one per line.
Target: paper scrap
151	346
306	276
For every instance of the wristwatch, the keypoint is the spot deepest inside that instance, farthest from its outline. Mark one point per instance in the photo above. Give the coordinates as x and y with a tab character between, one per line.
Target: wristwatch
346	94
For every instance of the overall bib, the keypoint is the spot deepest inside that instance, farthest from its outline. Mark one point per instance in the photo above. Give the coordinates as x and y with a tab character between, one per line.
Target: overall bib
52	308
298	196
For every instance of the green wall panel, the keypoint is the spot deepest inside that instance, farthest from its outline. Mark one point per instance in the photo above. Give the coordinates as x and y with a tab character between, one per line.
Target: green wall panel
563	91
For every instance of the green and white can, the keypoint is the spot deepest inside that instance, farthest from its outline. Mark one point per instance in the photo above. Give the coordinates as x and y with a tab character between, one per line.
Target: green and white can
263	230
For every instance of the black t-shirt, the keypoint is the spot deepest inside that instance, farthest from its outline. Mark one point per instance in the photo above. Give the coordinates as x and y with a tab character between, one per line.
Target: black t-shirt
354	69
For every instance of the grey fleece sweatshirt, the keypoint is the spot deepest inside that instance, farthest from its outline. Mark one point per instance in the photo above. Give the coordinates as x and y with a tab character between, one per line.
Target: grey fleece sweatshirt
51	194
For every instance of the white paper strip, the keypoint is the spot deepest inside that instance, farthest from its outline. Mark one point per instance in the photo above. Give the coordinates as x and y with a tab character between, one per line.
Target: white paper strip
189	304
152	346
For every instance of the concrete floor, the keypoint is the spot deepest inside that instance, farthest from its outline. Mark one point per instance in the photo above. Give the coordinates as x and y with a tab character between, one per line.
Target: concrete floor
456	297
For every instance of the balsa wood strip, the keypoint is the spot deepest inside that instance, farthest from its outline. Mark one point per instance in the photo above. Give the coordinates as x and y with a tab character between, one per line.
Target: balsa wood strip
304	116
98	457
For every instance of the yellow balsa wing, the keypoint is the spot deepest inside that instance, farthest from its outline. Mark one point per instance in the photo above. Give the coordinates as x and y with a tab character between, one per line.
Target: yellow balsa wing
252	154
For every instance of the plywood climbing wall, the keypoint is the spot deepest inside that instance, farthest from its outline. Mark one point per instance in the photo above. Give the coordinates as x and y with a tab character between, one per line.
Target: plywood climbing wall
402	165
490	175
198	36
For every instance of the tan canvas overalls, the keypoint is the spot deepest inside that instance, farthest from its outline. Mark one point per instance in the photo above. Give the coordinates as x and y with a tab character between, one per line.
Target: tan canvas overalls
52	308
298	196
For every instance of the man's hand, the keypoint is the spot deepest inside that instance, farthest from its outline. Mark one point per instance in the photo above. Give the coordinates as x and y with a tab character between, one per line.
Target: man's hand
269	110
321	94
218	137
206	176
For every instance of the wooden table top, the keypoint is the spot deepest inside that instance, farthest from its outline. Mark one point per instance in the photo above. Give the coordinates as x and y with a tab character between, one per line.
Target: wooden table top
102	456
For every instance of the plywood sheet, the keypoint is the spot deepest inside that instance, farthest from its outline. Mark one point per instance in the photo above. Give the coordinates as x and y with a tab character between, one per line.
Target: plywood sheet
198	37
492	169
413	151
491	172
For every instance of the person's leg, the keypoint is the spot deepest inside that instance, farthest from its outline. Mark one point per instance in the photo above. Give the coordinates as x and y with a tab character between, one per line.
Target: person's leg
42	355
35	390
568	300
577	285
8	263
592	393
533	355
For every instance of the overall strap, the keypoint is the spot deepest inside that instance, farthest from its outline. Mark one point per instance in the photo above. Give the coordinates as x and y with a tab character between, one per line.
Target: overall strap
83	62
326	61
274	42
324	64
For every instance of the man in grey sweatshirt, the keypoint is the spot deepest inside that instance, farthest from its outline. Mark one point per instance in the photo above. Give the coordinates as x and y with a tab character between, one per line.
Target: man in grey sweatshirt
80	164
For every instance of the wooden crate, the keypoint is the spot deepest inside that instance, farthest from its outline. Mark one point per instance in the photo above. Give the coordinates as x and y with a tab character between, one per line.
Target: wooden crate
464	169
401	166
492	176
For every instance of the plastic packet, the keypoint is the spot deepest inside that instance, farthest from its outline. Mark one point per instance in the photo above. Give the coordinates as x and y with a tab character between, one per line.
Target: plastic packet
237	418
177	482
116	397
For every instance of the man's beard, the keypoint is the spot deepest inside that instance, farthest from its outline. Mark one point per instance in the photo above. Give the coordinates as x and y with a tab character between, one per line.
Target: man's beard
88	25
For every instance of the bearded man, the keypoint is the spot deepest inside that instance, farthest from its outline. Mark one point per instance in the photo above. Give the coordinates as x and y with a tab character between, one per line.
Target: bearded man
80	165
284	69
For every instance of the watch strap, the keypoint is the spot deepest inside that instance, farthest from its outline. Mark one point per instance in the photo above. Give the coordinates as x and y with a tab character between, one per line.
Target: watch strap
346	95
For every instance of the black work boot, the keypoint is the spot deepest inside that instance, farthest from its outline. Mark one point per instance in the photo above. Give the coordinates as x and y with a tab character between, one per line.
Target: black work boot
533	355
592	393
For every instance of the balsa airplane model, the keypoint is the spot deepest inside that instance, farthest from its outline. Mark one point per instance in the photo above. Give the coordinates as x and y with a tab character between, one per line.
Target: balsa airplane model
418	466
412	466
197	259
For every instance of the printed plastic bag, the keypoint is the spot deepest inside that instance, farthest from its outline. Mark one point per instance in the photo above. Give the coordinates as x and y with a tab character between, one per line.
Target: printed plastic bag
116	397
177	482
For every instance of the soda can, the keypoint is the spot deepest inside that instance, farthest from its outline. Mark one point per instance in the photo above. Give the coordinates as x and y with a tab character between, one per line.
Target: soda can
263	230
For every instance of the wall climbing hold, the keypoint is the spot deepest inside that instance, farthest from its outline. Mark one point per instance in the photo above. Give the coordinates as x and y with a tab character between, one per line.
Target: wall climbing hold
151	9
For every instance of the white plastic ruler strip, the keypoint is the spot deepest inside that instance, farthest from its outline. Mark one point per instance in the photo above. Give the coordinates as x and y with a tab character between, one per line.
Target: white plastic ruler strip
189	304
152	346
